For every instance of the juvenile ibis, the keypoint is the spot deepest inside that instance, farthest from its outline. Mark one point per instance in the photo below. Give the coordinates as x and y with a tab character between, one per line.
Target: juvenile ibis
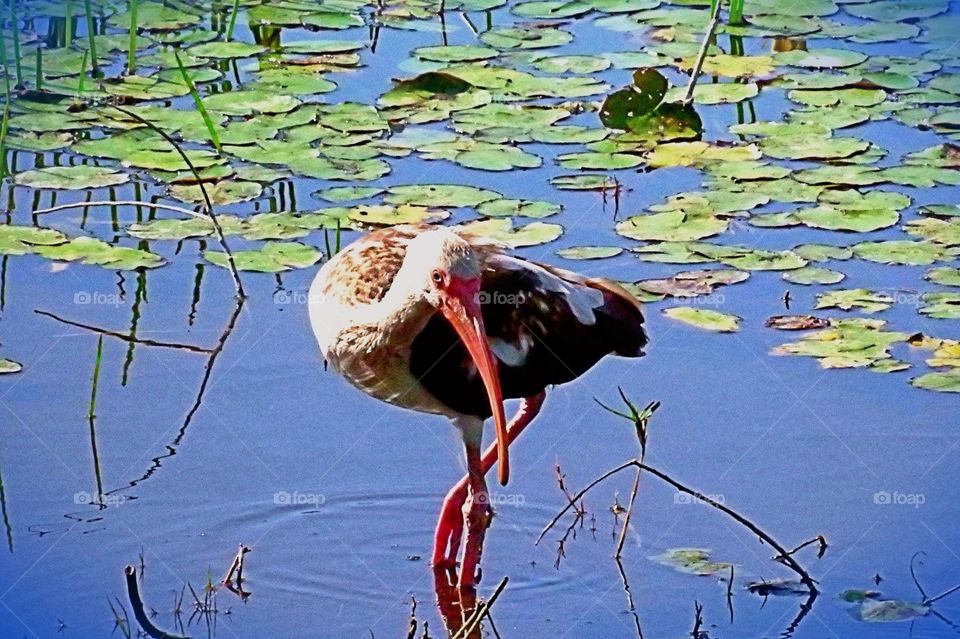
435	320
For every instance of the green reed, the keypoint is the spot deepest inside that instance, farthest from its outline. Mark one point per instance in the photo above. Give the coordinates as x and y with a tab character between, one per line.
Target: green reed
207	120
91	34
132	46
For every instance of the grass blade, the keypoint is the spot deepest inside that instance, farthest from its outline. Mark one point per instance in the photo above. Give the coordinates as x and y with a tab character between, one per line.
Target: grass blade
4	169
96	379
233	20
15	26
83	75
132	46
68	37
6	65
91	34
39	79
736	12
211	127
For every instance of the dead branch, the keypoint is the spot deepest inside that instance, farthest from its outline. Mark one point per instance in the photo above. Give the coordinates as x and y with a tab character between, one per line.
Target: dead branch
133	591
122	336
146	205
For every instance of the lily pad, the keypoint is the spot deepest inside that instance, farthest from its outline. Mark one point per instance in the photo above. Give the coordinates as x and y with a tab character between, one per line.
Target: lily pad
502	230
888	610
704	318
589	252
274	257
454	195
848	343
8	366
694	561
77	177
849	299
813	275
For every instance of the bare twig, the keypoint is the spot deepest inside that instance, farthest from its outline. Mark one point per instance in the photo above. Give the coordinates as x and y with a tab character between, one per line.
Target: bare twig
697	620
819	539
147	205
221	238
133	591
482	610
236	567
123	336
913	574
714	20
730	593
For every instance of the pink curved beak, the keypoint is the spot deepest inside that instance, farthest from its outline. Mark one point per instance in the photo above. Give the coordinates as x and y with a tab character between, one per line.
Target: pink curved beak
462	310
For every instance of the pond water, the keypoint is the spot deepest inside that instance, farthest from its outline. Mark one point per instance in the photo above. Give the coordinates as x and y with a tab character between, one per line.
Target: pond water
158	422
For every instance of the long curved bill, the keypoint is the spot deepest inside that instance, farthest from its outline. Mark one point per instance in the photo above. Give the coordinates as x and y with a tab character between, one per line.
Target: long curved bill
463	312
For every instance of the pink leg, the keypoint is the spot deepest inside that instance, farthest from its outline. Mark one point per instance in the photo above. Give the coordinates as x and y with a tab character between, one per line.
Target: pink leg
477	513
450	524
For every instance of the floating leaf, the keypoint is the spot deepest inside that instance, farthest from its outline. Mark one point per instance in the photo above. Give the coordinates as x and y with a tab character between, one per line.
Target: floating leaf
8	366
848	343
454	195
589	252
503	230
901	252
77	177
777	588
693	283
518	208
946	276
273	257
849	299
796	322
941	305
584	182
948	382
704	318
671	226
887	610
691	560
813	275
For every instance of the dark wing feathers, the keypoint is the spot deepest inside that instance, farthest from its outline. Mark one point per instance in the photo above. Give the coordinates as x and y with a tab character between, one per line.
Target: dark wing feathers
545	325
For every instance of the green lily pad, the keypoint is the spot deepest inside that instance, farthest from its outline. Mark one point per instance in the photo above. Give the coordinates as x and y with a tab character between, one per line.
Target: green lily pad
273	257
699	154
812	147
671	226
224	50
694	561
250	102
947	382
693	283
584	182
639	99
888	610
520	38
502	230
898	10
77	177
93	251
941	305
505	207
813	275
390	215
589	252
704	318
454	195
847	343
347	193
456	53
8	366
823	252
944	275
223	192
901	252
861	298
820	58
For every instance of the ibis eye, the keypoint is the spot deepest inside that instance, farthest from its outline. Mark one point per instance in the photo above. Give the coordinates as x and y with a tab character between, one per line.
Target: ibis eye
437	277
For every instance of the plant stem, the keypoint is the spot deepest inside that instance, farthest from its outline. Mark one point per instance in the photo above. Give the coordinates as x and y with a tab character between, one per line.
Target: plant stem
68	35
231	262
132	46
233	20
207	120
39	79
4	169
6	65
15	26
714	19
96	378
83	75
91	35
